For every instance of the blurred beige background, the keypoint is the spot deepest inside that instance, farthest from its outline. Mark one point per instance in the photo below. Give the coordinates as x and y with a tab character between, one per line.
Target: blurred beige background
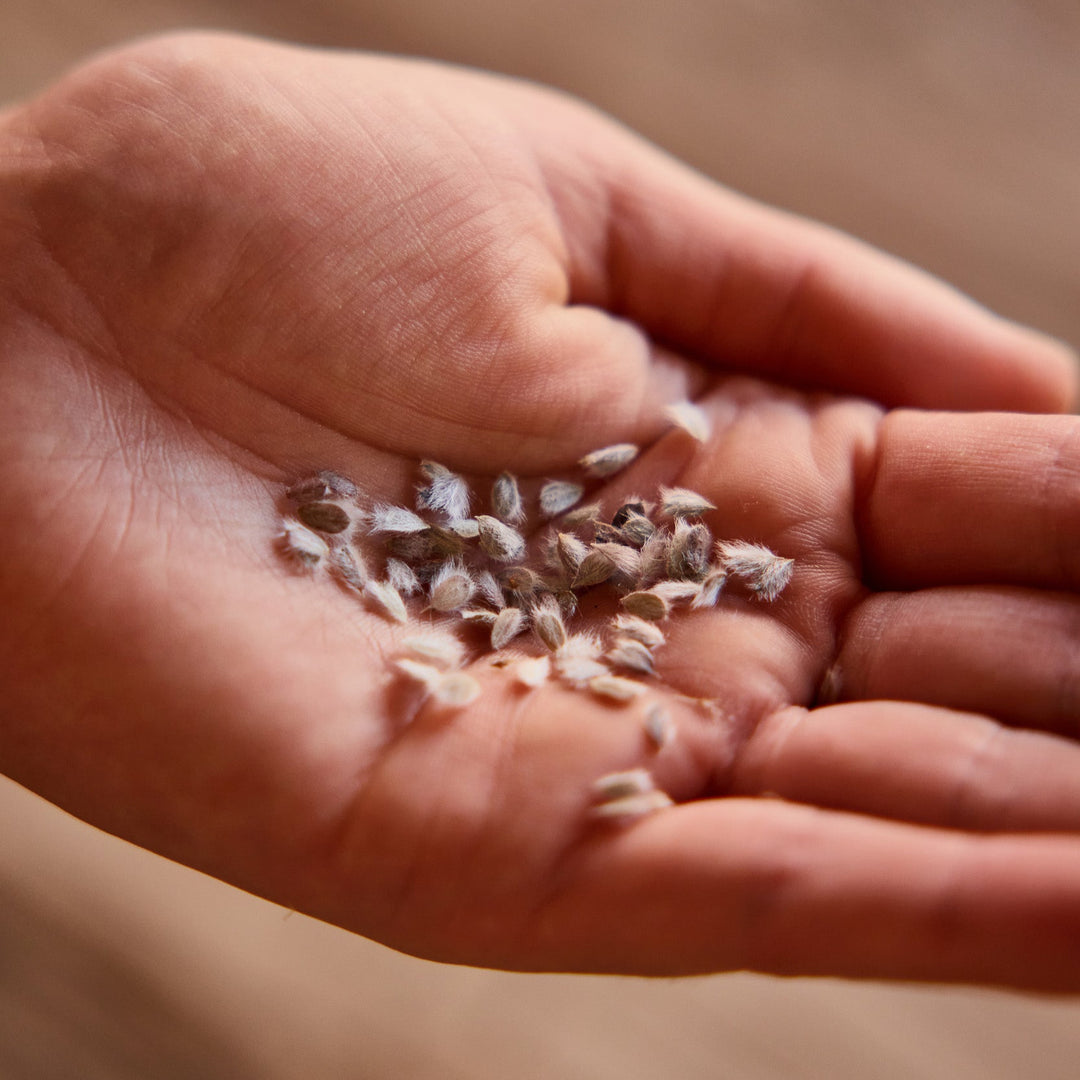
949	134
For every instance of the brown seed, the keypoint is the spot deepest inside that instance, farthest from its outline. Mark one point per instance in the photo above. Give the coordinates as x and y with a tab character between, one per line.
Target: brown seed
636	530
595	568
324	517
646	605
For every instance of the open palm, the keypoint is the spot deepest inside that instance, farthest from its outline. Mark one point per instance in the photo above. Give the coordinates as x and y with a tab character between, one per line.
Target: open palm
229	264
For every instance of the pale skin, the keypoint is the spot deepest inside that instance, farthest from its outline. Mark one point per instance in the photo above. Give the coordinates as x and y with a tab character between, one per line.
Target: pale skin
227	264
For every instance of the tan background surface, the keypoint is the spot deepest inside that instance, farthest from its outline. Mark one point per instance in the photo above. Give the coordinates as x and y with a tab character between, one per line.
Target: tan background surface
949	133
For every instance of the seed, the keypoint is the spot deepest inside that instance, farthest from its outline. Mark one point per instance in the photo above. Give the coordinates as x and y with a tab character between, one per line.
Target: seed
619	785
710	588
691	418
533	672
580	514
301	545
654	558
425	674
633	806
548	622
347	567
688	553
396	520
616	688
578	670
501	542
625	561
506	501
446	492
557	496
456	689
594	568
520	581
388	599
637	629
480	616
682	502
603	533
490	589
324	517
466	528
402	577
570	551
508	624
632	506
676	592
765	572
609	460
659	726
636	530
323	485
451	587
646	605
630	654
442	652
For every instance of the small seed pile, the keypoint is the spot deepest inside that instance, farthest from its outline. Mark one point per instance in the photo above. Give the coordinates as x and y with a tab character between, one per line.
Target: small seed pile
490	571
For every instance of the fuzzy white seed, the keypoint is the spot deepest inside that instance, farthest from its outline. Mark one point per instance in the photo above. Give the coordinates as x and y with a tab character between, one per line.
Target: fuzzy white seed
682	502
508	624
427	675
456	689
691	418
632	807
676	592
301	546
648	634
347	567
570	551
616	688
627	653
396	520
451	588
609	460
445	491
478	616
766	573
500	541
402	577
387	599
577	670
659	726
442	652
324	485
711	588
466	528
618	785
548	622
506	501
556	496
532	672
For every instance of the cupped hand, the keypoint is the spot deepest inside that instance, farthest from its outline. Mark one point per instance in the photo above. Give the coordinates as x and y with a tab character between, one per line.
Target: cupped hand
227	264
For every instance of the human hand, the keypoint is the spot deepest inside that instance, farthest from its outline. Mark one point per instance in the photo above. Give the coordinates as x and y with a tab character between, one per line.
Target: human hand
226	264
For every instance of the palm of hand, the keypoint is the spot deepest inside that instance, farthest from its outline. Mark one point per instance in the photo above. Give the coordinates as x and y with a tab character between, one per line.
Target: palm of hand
344	267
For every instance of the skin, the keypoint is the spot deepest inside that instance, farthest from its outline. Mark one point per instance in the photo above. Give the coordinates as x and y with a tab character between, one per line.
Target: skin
227	264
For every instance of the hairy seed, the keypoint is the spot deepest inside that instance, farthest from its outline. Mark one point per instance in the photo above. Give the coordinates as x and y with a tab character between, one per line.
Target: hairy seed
616	688
506	501
631	626
402	577
627	653
301	546
689	550
578	670
659	726
533	672
609	460
765	572
456	689
323	485
508	624
466	528
579	515
396	520
548	623
618	785
636	530
446	492
625	561
324	517
631	506
682	502
490	589
478	616
711	588
442	651
451	587
347	567
646	605
419	671
632	807
500	541
570	551
676	592
595	568
557	496
520	581
603	533
387	599
691	418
